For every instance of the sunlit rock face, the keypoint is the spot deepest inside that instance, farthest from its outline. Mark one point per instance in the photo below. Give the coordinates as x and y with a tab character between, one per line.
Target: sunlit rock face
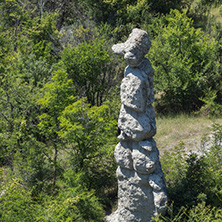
141	187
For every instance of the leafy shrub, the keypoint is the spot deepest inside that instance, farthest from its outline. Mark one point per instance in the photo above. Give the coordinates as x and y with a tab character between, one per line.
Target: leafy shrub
194	180
73	202
87	65
199	213
90	134
174	164
210	107
16	203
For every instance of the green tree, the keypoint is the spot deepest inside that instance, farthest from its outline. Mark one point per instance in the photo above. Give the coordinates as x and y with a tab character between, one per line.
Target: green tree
58	93
185	63
90	134
87	64
26	64
80	134
21	143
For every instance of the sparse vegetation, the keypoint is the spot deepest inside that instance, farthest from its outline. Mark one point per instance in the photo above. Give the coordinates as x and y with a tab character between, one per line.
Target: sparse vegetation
183	127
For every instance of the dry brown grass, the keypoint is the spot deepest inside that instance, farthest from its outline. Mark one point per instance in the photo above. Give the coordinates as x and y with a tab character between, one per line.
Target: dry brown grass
189	129
216	14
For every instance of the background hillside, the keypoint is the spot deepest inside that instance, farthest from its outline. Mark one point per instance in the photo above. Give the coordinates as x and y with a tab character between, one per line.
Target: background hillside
59	105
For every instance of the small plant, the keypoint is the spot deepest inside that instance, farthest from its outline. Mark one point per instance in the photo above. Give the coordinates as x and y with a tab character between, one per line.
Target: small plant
194	182
16	203
73	202
210	107
199	213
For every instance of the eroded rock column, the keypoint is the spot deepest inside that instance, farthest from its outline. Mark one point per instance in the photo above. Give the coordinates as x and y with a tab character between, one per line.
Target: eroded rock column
141	186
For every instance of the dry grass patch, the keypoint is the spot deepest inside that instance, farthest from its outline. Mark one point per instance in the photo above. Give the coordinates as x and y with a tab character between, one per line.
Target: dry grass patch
216	13
189	129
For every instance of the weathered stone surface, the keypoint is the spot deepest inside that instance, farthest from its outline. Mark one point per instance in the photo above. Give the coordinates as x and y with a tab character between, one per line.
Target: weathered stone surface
144	162
141	186
123	155
136	126
135	201
135	48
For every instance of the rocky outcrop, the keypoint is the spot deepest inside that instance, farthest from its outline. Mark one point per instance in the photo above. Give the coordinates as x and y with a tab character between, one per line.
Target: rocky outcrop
141	186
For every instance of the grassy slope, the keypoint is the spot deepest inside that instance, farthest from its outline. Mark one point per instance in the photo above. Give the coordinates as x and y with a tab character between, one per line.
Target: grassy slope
213	13
189	129
216	13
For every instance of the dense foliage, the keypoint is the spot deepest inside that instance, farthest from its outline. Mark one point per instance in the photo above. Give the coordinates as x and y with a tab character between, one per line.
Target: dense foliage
185	61
59	102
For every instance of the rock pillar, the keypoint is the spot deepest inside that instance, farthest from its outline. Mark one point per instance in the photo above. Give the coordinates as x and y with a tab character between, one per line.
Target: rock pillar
141	186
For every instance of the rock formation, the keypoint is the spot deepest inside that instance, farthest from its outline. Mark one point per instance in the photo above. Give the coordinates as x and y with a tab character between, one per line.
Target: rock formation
141	186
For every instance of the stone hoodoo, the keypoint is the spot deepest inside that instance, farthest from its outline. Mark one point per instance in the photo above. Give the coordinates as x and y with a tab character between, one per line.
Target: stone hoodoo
141	187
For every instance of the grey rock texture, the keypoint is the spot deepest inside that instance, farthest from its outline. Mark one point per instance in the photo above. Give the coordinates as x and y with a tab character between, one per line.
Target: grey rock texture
135	48
141	187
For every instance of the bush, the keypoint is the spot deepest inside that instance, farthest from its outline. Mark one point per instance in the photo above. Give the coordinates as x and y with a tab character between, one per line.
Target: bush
185	61
195	180
73	202
87	65
210	107
199	213
16	203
